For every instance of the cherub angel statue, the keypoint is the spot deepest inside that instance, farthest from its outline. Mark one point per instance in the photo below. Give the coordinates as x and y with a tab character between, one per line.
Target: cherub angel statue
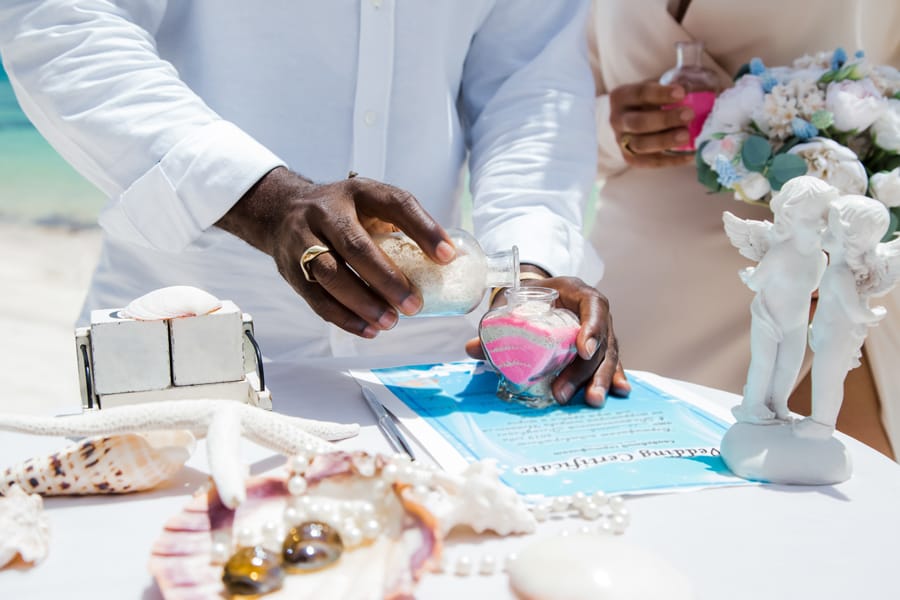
791	264
859	268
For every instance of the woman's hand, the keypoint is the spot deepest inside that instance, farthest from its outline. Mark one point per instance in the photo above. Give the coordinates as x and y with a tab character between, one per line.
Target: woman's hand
351	283
597	367
645	129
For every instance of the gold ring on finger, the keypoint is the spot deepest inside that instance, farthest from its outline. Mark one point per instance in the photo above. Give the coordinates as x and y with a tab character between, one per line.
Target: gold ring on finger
307	257
624	142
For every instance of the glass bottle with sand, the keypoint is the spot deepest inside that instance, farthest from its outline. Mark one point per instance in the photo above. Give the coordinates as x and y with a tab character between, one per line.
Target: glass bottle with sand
456	288
528	342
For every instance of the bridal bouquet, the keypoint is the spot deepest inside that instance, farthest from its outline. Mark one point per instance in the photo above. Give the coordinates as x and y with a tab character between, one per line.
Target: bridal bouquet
831	116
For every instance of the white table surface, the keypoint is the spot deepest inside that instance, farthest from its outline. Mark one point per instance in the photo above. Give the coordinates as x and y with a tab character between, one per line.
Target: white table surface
753	542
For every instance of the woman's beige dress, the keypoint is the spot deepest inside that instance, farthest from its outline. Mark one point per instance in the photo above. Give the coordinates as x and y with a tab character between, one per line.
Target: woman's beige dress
672	277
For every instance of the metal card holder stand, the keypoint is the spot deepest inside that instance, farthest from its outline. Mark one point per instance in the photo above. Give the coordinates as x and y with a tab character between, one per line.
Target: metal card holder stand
195	373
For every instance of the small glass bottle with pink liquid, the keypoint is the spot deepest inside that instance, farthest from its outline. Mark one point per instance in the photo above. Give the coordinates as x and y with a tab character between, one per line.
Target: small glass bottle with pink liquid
528	342
701	85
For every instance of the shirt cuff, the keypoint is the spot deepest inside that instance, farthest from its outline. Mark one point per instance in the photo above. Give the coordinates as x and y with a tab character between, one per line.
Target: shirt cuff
189	189
546	241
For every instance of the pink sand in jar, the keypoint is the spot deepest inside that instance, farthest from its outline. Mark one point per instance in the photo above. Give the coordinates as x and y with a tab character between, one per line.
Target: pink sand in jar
524	351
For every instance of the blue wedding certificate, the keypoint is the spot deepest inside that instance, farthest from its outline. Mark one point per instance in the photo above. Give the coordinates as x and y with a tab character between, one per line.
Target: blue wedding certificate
652	441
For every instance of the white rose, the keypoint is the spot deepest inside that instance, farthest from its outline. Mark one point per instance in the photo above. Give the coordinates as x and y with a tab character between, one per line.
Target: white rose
752	187
886	128
854	104
886	187
733	108
834	164
727	146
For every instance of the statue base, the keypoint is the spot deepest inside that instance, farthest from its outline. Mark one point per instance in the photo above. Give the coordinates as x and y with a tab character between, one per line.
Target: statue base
775	454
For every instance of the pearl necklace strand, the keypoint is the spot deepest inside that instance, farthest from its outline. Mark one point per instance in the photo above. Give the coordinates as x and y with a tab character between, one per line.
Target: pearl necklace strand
610	513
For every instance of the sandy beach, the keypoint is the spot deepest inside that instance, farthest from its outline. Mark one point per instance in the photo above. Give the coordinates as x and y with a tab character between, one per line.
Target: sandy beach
45	272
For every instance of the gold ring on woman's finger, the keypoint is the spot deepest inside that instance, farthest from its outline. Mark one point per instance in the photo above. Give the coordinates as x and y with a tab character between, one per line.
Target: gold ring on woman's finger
307	257
623	144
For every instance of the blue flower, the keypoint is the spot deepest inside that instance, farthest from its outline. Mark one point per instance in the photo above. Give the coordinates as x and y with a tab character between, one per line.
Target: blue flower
727	175
860	54
803	129
838	58
756	66
768	82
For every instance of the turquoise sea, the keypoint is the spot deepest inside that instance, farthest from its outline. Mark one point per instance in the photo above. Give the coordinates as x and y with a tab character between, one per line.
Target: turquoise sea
36	184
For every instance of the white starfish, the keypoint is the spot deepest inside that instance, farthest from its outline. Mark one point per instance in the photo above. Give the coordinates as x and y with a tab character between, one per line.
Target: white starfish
222	422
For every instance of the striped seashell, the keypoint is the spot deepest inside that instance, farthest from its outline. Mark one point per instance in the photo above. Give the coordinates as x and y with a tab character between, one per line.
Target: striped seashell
115	464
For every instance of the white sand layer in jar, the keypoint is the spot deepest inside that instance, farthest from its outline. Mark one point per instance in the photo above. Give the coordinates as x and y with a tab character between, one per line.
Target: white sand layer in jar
451	289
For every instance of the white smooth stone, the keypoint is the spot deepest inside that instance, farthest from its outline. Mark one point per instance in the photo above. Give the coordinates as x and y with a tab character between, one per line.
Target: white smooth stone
595	568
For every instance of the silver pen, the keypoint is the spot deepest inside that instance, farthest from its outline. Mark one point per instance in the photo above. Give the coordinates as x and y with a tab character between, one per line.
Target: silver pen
386	424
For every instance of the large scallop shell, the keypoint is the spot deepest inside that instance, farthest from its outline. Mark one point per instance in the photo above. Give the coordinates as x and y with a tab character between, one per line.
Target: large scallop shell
113	464
184	559
24	527
171	303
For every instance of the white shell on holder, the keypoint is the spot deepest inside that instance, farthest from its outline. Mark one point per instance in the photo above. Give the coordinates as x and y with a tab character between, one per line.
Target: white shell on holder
171	303
115	464
24	527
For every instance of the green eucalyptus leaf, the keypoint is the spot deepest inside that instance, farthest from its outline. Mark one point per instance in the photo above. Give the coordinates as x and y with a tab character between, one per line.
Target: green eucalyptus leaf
827	77
755	153
705	173
783	168
889	164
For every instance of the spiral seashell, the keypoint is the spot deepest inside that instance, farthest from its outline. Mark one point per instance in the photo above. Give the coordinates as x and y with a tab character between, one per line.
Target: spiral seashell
115	464
171	303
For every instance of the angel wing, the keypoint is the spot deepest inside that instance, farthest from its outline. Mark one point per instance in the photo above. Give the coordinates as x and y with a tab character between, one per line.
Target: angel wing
752	238
884	270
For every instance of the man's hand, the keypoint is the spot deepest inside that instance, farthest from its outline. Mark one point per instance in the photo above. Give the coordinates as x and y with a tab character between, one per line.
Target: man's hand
356	286
644	129
597	367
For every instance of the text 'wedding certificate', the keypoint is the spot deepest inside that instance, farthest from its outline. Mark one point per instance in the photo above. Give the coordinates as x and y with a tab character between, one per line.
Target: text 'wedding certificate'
652	441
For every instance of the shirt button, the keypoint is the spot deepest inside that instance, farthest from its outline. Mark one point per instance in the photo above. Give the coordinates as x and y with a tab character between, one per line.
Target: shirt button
370	117
376	3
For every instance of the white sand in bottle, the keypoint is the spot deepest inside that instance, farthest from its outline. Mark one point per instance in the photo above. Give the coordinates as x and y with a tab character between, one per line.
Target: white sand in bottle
452	289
